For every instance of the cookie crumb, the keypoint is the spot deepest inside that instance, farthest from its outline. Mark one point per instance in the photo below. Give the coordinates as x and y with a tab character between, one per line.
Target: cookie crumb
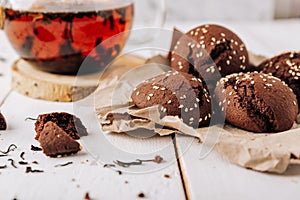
167	176
120	172
158	159
141	195
87	196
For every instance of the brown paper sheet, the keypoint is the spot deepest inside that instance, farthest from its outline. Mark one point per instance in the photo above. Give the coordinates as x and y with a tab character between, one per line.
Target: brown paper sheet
260	152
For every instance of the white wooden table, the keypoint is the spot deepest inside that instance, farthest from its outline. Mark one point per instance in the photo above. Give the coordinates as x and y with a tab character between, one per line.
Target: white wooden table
211	177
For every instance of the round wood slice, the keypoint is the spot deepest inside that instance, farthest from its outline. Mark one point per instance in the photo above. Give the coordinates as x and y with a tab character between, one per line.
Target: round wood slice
37	84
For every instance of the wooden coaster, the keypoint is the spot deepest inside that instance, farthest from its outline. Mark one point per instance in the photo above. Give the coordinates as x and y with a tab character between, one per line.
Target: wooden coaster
37	84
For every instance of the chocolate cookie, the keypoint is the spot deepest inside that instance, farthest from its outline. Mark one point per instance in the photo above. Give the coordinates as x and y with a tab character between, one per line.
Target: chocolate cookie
3	125
209	49
177	94
55	141
287	68
257	102
69	123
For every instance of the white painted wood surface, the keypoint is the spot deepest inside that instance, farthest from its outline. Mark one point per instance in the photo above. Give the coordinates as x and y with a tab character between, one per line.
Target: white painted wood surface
212	177
85	174
56	183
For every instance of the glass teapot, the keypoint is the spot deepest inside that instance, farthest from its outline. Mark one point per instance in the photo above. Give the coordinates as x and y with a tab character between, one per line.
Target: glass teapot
58	35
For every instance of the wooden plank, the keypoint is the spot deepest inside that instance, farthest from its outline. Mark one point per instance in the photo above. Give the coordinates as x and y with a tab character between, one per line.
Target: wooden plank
212	177
37	84
84	175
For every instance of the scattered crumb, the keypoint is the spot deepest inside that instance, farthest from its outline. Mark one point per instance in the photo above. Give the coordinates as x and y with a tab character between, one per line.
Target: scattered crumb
120	172
167	176
141	195
158	159
126	182
87	196
73	179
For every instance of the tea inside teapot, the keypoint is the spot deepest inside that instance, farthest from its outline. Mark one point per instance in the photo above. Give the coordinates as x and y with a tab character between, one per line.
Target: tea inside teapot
57	36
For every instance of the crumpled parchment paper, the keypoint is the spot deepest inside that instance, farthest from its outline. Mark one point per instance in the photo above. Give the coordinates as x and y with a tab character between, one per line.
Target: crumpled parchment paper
260	152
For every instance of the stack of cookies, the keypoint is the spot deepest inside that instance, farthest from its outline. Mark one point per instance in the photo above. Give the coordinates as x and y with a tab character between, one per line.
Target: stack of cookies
57	133
210	66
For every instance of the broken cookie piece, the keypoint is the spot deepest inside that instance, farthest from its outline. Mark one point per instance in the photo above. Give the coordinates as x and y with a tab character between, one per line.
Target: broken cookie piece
67	122
3	125
56	142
